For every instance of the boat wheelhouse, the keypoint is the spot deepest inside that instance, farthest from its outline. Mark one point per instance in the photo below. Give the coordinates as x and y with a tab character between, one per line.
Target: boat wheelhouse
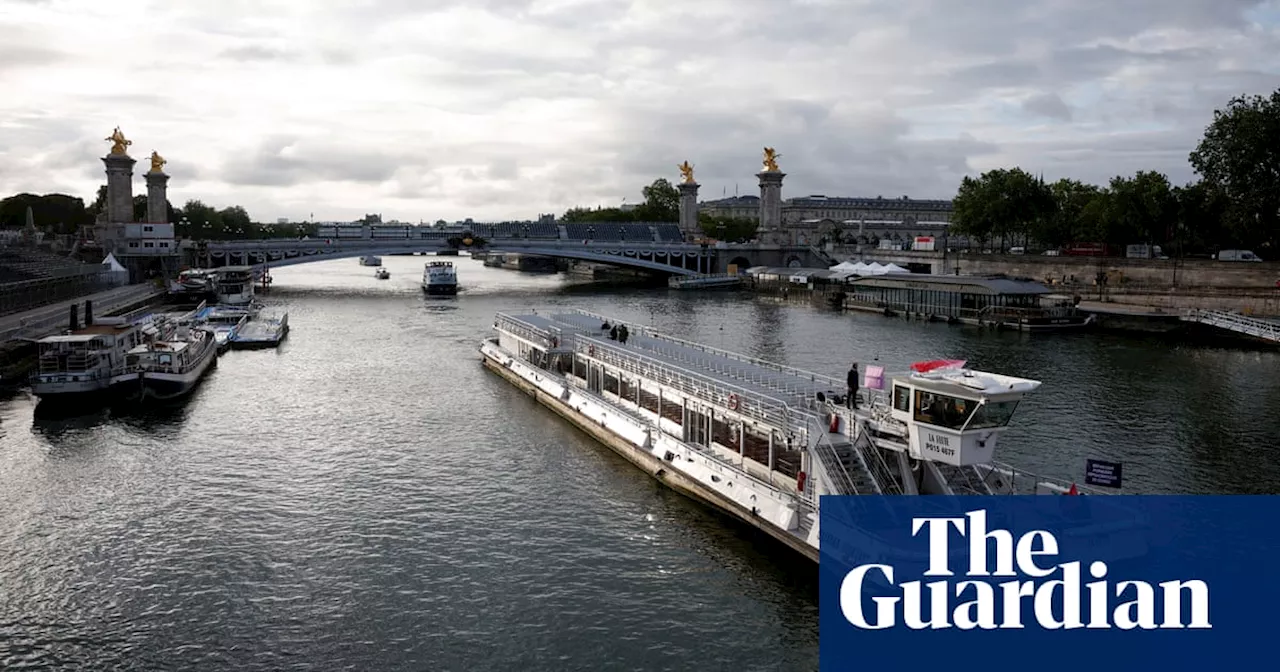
234	285
440	277
982	300
761	440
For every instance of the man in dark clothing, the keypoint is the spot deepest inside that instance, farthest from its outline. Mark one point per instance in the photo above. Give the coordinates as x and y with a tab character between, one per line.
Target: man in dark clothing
853	386
623	332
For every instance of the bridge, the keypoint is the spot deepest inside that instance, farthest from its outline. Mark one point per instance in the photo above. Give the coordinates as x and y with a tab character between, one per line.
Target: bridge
669	257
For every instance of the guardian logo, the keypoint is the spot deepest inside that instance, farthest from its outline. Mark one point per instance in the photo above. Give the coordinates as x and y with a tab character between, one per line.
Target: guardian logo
1096	583
1012	582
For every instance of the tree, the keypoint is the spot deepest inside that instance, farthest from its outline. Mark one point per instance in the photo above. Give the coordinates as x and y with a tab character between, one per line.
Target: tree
1141	209
53	213
661	202
1009	204
1075	215
1238	156
730	229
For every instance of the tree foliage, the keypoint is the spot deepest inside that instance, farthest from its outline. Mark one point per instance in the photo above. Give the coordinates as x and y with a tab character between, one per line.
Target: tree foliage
661	204
1235	204
1240	156
54	213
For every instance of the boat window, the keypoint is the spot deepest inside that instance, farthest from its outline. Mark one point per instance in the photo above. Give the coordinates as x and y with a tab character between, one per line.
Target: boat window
901	398
941	410
993	414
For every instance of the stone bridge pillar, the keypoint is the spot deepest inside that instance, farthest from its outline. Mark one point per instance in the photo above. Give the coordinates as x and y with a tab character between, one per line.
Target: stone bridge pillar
157	197
771	232
119	187
689	225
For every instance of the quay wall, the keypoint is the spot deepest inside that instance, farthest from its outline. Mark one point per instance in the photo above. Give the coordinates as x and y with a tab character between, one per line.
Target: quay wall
1183	273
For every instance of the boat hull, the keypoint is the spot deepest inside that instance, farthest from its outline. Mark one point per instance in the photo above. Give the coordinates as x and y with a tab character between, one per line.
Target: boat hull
648	462
168	386
438	289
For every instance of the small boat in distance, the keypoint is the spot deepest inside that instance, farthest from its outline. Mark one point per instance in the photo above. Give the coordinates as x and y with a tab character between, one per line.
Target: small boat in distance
382	274
440	278
371	260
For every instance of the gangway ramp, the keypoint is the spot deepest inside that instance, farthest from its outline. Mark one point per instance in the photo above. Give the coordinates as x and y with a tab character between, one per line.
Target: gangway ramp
1253	327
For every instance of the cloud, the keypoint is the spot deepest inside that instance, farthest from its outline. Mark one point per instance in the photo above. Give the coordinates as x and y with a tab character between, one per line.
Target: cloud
498	109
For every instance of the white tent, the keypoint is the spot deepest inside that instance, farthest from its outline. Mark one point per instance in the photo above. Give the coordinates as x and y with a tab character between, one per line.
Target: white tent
113	272
846	269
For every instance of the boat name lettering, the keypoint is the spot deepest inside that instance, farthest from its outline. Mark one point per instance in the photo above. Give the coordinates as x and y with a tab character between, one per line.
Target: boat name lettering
934	443
1056	603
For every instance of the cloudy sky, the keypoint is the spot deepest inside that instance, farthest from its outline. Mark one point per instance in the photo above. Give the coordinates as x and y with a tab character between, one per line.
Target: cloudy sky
498	109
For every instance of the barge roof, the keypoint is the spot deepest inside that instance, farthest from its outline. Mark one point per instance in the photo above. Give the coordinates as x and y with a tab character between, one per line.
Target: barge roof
721	372
967	284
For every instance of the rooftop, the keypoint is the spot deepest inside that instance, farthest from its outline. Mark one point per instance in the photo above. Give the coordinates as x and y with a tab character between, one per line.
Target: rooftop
970	284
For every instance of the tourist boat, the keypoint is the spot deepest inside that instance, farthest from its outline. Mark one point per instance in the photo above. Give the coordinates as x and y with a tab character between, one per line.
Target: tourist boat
439	277
371	260
759	440
194	281
382	274
172	368
993	301
265	331
89	361
234	286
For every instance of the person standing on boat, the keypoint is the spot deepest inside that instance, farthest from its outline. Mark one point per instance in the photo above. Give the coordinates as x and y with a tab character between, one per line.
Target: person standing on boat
852	380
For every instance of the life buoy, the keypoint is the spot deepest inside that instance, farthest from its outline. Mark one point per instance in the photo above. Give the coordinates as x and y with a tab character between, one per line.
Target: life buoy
733	402
800	482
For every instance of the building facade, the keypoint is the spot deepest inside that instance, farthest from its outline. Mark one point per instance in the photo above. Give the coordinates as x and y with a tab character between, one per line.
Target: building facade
818	218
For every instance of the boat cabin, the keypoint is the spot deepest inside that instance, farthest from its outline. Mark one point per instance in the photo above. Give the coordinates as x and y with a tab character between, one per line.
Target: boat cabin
976	299
953	415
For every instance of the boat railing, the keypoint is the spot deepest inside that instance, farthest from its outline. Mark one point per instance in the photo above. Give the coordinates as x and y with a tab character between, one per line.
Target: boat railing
728	354
547	338
749	403
804	502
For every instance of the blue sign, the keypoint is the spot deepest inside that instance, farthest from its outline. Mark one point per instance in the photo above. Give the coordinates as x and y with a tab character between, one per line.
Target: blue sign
1047	582
1101	472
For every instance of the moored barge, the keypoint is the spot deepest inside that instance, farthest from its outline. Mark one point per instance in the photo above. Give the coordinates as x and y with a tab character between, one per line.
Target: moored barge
759	440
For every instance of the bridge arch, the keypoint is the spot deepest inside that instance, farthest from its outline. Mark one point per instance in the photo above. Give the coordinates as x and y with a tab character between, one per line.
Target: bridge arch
794	261
743	263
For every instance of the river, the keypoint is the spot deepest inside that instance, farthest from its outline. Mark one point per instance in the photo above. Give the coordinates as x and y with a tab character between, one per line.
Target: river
368	497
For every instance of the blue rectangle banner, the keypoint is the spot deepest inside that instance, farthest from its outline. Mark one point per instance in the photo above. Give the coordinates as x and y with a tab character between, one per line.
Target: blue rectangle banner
1047	582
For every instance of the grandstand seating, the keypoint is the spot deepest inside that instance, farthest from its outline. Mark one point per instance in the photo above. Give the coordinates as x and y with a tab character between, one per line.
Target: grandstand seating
30	278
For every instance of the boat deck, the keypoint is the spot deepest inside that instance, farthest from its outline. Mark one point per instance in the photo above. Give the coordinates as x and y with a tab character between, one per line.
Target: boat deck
713	373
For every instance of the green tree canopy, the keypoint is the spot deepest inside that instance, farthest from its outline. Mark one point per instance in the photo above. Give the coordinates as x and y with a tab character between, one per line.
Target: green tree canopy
1240	156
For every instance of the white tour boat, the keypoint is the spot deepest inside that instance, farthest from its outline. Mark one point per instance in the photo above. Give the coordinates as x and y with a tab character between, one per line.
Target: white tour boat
371	260
172	368
440	277
759	440
234	285
89	360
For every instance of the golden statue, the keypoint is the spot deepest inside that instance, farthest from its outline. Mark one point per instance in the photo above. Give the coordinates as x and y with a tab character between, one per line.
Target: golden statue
770	160
686	171
120	142
157	162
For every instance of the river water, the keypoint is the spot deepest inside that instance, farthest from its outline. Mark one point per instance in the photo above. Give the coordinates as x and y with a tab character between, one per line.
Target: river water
368	497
